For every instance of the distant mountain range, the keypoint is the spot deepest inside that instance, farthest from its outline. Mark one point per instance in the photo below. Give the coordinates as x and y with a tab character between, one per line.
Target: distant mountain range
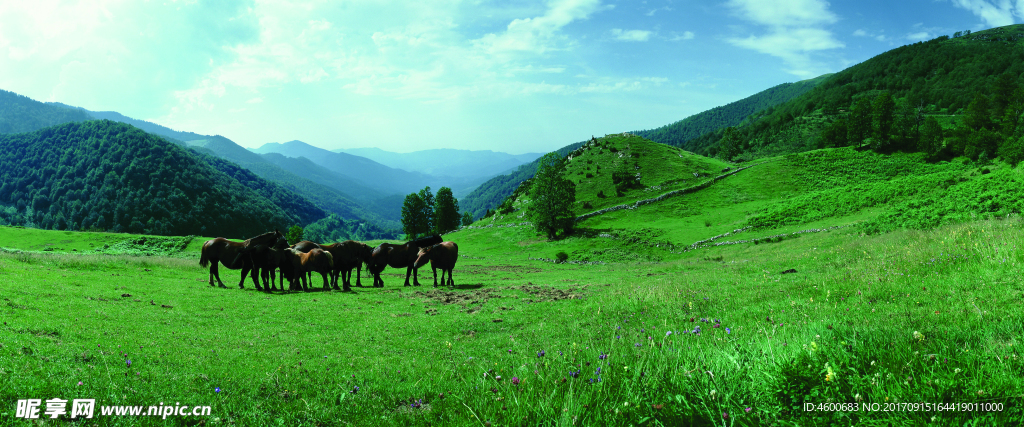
447	161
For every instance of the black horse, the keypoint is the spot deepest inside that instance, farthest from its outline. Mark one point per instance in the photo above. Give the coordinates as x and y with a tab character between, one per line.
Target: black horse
398	256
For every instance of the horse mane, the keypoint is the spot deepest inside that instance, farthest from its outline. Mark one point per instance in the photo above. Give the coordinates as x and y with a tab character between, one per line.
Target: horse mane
249	240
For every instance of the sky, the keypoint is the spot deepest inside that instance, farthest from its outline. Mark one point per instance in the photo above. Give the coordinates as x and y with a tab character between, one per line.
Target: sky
514	76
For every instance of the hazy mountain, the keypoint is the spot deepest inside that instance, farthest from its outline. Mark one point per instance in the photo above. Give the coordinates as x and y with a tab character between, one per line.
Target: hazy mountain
446	161
22	114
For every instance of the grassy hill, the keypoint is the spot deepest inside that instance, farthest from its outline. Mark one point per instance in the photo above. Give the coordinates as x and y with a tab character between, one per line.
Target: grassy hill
762	290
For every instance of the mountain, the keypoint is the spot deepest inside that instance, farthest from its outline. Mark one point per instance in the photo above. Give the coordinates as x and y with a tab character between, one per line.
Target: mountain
446	161
105	175
383	179
23	114
493	191
969	86
680	133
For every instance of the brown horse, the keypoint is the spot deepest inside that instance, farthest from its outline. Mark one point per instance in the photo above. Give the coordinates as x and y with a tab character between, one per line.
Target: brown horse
305	246
234	255
316	260
348	255
398	256
442	255
266	260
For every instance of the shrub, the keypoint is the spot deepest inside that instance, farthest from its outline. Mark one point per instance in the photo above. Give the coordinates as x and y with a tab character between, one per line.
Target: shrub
561	257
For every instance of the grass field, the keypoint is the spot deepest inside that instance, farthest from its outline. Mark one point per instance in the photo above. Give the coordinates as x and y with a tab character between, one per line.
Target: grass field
634	330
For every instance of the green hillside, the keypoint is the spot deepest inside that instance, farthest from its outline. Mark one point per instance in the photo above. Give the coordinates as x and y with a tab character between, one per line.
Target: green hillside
22	114
679	134
969	86
111	176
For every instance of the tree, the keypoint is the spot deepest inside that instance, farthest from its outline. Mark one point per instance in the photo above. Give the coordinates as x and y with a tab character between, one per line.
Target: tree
446	211
859	126
931	137
467	219
882	113
294	235
730	144
427	213
552	197
412	216
835	134
905	127
977	115
1012	151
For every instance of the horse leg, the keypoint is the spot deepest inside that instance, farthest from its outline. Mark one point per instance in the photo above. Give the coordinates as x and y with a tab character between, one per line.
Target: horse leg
451	282
434	269
215	269
256	278
359	269
327	285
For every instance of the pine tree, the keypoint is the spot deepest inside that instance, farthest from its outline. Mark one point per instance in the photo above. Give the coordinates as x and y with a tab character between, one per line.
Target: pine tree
552	197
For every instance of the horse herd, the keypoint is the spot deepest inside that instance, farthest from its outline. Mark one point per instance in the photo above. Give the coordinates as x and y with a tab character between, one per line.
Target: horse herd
263	255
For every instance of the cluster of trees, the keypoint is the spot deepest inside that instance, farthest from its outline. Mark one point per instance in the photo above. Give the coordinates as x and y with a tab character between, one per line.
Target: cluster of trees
102	175
990	126
552	197
22	114
423	213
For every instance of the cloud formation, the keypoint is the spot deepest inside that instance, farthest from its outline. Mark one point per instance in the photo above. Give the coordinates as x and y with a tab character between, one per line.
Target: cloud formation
795	31
995	13
631	35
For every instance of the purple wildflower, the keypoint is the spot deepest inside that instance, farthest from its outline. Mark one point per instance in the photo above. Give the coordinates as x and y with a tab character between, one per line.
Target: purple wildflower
216	390
728	331
515	380
668	333
129	363
602	356
540	354
355	390
748	409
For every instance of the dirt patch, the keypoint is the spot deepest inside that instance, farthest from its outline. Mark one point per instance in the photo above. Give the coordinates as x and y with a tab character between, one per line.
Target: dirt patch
484	269
547	293
477	297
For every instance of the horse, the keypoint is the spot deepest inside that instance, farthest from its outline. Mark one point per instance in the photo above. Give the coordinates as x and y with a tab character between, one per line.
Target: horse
267	259
305	246
398	256
316	260
348	255
220	250
442	255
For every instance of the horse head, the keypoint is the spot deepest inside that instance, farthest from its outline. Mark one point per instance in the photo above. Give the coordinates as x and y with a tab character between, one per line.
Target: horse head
423	256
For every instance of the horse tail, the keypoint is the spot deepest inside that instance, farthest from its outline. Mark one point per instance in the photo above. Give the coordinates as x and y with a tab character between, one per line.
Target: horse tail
204	258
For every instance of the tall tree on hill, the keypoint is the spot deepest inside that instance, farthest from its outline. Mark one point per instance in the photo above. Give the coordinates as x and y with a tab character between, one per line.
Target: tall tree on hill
427	215
977	116
883	114
906	127
931	137
730	144
552	197
1012	113
835	134
859	126
1002	92
446	210
412	216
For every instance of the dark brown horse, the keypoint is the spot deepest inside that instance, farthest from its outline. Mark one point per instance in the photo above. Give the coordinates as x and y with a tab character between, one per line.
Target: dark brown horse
234	255
305	246
442	255
317	260
398	256
348	255
267	259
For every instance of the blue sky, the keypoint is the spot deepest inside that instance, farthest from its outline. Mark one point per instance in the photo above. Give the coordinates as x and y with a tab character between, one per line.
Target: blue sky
515	76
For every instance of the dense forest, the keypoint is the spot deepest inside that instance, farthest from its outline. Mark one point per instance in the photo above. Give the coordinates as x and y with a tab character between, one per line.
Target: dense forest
102	175
679	133
951	90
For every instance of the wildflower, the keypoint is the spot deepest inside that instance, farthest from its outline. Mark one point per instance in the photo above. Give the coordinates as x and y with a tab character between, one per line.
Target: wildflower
574	374
602	356
668	333
515	380
79	383
355	390
728	331
748	409
497	377
830	375
540	354
510	351
129	363
216	390
725	415
598	371
918	336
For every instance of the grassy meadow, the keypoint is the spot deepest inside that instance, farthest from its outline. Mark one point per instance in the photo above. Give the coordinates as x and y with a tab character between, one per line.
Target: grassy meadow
639	327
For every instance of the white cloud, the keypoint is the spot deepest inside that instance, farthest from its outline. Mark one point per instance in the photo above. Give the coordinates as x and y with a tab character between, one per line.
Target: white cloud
795	31
540	34
995	13
631	35
785	13
920	36
877	36
686	35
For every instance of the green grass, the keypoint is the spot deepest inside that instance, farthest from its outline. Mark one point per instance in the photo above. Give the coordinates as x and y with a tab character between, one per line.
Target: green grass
903	313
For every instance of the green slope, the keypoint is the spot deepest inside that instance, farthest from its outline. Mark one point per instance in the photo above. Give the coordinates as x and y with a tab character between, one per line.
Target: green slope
112	176
22	114
679	134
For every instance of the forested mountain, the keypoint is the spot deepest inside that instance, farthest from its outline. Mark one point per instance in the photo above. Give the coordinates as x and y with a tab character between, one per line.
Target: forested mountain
112	176
492	192
947	97
22	114
446	161
679	134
